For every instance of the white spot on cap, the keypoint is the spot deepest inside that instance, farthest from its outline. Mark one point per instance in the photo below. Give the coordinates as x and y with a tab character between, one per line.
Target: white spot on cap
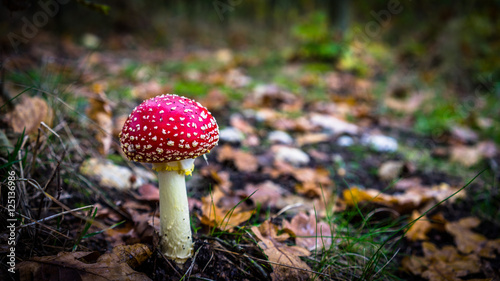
154	138
163	131
170	143
145	128
171	119
195	143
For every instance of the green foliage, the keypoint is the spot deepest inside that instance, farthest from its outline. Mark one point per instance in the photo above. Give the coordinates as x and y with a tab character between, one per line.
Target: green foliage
316	39
191	88
438	119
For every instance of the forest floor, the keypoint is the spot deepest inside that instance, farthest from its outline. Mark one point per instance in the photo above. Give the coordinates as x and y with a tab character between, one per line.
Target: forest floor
320	174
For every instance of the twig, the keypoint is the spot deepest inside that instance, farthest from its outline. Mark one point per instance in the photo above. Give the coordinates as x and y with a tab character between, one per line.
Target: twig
55	216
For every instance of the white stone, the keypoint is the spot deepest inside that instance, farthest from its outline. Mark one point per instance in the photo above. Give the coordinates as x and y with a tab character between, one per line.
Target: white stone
345	141
333	124
280	137
111	175
291	155
380	143
231	134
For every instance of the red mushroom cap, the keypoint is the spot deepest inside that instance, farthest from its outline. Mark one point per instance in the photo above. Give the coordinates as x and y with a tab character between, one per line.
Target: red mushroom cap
168	128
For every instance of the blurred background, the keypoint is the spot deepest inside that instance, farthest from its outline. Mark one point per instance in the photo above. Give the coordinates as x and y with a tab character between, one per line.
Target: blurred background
449	46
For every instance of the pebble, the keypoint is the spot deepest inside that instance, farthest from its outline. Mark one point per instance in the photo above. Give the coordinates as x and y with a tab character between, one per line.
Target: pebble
345	141
281	137
291	155
231	135
111	175
380	143
335	125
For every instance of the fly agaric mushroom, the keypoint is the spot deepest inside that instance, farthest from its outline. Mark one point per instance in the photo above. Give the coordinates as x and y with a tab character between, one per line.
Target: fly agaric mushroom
170	131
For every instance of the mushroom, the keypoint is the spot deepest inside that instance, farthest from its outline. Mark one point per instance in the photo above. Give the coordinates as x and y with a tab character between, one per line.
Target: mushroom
170	131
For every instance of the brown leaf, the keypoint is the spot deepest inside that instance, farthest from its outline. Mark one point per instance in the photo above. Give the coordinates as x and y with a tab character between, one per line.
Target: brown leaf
466	155
268	194
410	199
285	259
419	229
441	264
466	240
149	192
214	100
309	233
149	90
83	266
312	138
100	112
223	218
314	182
244	161
28	114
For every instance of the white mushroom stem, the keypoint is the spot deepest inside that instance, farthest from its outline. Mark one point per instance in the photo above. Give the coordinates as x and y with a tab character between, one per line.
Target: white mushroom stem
175	227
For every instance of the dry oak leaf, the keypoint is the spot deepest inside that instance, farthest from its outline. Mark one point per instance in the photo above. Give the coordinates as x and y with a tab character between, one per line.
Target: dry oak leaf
442	264
313	182
284	259
244	161
268	193
405	202
308	232
468	241
419	229
28	114
83	266
222	218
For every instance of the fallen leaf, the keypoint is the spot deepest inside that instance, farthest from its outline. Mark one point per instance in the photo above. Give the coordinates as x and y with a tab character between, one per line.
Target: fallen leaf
308	232
407	105
285	259
150	89
28	114
83	266
223	218
268	194
466	240
407	201
441	264
312	138
148	192
244	161
419	229
313	182
100	112
466	155
214	100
